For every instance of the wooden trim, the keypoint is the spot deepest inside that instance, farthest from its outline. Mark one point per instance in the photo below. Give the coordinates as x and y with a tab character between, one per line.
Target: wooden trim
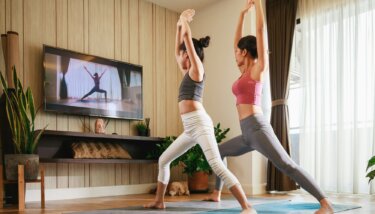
42	194
1	187
21	188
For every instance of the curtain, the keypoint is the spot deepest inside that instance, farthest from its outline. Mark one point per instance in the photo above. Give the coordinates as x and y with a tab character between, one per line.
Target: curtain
337	64
281	15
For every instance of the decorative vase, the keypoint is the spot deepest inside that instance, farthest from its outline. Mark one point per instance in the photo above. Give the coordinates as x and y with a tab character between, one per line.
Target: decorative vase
31	163
13	56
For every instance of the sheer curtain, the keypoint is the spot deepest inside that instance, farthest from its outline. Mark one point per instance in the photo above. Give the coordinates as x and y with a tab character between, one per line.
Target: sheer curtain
337	63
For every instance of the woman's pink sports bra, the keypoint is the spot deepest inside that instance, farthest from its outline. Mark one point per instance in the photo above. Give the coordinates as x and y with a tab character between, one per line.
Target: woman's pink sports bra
247	90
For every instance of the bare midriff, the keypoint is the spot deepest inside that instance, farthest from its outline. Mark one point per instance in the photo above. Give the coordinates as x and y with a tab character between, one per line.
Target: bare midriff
246	110
186	106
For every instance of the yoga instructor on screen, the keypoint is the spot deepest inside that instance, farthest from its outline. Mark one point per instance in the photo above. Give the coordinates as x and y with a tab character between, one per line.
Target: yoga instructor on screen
96	87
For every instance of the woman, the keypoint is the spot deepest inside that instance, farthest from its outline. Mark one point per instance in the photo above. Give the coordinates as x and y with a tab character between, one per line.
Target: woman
96	87
198	127
257	133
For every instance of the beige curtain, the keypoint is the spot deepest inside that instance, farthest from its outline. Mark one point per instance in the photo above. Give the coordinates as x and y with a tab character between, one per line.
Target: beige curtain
281	15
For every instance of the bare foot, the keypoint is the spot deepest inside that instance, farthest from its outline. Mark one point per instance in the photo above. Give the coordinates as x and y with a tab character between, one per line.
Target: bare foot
325	207
155	205
215	196
324	210
249	210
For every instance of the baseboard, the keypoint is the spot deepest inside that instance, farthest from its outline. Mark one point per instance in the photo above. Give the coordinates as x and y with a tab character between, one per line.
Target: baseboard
248	188
89	192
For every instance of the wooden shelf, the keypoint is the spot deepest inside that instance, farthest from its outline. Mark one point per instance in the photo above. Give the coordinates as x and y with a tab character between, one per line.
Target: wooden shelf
101	136
86	160
55	147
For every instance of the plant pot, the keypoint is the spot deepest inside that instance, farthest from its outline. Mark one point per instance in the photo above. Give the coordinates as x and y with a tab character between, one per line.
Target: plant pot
198	182
31	163
142	132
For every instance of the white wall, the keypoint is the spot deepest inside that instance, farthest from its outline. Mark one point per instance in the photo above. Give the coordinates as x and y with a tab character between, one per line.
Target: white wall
219	22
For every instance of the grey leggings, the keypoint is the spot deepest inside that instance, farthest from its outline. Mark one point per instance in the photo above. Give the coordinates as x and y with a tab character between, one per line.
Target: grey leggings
257	134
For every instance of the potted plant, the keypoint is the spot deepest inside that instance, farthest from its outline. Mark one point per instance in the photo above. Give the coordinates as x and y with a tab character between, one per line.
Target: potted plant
21	113
371	173
193	161
143	128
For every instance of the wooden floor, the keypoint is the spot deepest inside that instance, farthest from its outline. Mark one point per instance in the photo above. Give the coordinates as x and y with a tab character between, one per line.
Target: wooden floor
53	207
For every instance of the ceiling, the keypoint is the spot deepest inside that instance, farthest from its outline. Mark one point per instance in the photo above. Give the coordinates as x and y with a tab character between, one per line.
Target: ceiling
181	5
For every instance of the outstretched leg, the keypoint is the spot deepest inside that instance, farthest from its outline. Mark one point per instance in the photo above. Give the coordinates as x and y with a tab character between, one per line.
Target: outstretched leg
268	144
211	152
234	147
176	149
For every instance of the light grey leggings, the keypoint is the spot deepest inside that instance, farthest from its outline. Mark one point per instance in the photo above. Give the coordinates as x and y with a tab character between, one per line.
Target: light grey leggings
198	129
257	134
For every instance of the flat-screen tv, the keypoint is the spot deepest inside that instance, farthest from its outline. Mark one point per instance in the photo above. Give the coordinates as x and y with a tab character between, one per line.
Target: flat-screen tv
82	84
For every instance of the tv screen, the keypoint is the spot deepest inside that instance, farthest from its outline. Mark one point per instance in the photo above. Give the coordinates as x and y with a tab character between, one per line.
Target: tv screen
77	83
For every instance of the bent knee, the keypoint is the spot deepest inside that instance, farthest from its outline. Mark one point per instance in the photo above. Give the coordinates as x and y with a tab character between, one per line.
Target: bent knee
163	162
218	167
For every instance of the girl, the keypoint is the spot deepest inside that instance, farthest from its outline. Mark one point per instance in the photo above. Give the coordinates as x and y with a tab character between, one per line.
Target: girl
198	126
257	133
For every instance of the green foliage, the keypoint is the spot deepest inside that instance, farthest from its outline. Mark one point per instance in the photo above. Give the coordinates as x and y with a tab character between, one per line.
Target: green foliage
371	173
21	114
141	126
193	160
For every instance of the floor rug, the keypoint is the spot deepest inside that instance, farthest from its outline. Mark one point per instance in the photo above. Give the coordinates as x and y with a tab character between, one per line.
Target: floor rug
262	205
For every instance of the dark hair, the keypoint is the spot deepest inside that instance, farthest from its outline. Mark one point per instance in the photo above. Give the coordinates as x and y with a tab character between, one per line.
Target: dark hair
198	45
249	43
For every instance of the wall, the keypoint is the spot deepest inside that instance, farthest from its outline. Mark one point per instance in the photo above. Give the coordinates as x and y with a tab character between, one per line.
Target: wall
134	31
219	21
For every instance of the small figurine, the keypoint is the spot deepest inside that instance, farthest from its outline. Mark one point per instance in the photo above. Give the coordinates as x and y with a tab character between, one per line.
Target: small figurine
99	126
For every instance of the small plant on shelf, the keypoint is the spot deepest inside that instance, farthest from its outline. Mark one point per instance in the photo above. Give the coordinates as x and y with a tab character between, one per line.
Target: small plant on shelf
143	127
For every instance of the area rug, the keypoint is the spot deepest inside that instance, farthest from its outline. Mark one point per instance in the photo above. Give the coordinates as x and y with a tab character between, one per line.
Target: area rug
288	207
262	205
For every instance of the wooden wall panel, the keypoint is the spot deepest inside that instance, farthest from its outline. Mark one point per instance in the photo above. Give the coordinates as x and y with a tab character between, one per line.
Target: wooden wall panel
171	75
101	28
146	60
145	47
62	175
102	175
160	70
76	175
134	31
50	181
76	25
16	24
7	14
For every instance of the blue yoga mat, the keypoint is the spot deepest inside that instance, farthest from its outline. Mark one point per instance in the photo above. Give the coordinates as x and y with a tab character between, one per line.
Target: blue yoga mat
263	206
286	207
